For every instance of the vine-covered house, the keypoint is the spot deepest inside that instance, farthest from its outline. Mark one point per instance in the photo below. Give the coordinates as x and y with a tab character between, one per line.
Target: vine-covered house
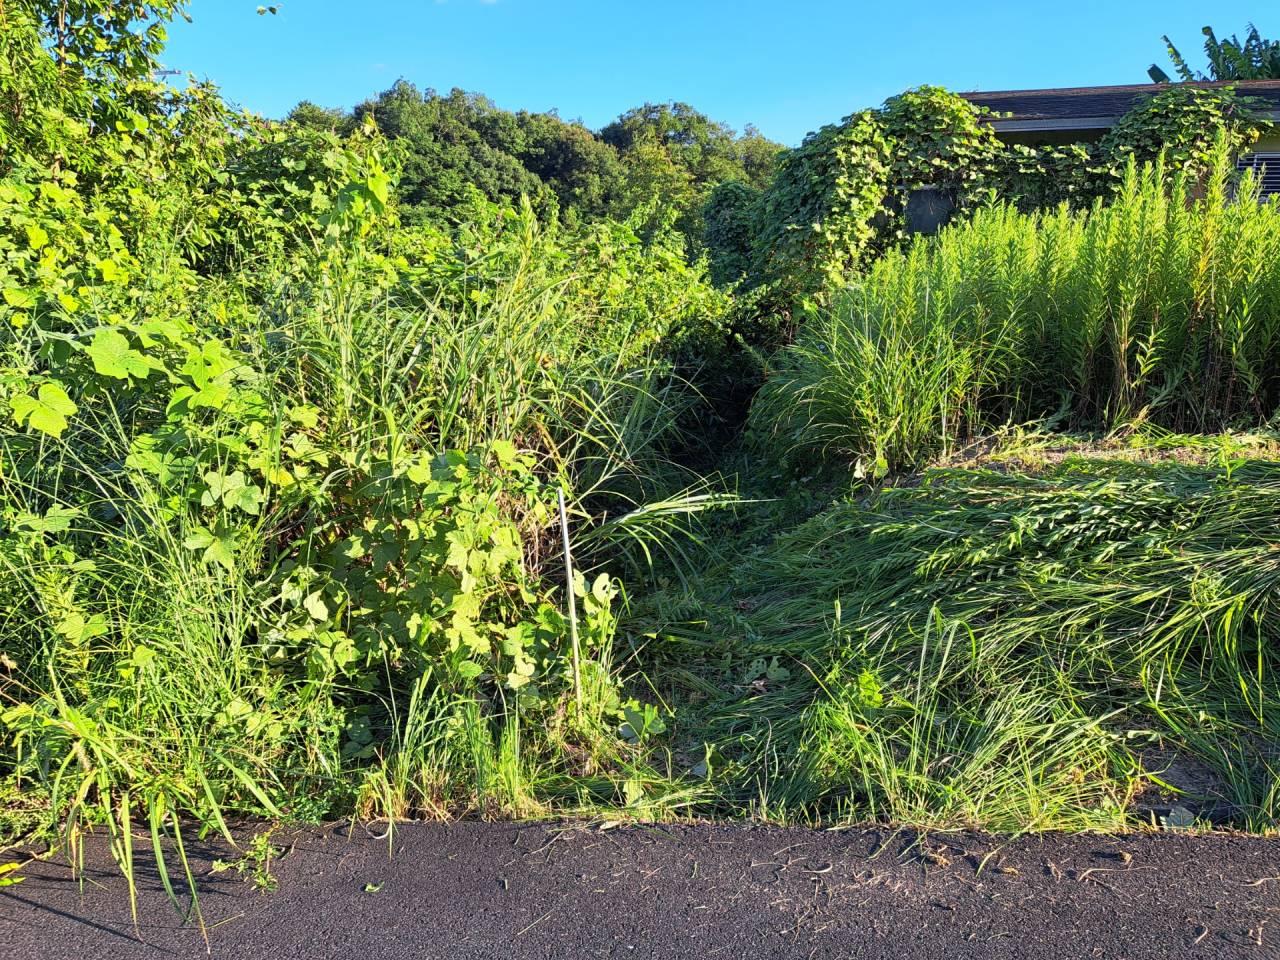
1080	114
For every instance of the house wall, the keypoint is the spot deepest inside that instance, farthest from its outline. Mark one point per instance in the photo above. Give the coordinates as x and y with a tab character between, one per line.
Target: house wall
1268	144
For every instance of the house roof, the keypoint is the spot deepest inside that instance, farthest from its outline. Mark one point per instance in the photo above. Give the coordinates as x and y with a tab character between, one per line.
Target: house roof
1095	108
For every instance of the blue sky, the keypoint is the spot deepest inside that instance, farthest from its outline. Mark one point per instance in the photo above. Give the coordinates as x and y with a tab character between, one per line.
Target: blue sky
787	66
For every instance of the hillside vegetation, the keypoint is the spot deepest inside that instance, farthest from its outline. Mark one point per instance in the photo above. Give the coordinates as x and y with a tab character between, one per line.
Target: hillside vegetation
301	418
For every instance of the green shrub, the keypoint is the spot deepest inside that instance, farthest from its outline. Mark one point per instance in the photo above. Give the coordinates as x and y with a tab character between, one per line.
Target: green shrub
815	221
278	486
727	232
841	196
1187	125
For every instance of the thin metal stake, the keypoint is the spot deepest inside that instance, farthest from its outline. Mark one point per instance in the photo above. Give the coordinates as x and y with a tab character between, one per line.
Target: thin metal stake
573	605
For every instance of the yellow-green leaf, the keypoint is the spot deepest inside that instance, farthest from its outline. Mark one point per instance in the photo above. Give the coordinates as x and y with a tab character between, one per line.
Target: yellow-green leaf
19	298
47	411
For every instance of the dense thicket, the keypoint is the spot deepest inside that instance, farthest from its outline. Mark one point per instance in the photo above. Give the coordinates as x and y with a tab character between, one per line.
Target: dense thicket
281	469
297	413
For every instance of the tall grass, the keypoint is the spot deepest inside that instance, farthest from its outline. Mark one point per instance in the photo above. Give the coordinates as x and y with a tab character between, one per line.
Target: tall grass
996	649
1161	305
146	685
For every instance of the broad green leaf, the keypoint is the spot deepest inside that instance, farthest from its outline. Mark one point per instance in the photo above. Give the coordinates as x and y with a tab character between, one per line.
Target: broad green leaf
110	270
505	451
315	606
19	299
218	547
113	357
232	490
47	411
37	236
77	628
246	497
469	669
55	520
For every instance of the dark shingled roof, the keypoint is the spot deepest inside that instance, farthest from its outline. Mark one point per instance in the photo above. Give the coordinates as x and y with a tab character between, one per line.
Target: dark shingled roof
1108	103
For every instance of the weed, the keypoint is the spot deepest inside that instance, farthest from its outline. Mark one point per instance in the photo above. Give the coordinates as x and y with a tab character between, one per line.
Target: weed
254	864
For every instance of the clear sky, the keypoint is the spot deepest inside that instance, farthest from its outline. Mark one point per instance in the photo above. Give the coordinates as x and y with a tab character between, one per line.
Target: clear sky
787	66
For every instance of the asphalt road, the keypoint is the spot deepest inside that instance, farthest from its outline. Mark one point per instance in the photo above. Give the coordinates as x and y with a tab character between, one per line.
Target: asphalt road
566	891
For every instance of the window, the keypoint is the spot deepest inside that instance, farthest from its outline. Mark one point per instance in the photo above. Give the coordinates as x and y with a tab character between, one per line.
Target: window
1265	167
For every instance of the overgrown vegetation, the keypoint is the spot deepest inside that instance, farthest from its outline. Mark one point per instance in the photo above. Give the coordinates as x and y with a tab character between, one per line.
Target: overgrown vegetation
1007	650
1157	306
280	483
843	196
360	466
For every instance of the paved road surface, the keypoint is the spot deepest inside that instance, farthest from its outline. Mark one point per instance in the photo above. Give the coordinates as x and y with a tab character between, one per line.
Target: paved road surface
472	890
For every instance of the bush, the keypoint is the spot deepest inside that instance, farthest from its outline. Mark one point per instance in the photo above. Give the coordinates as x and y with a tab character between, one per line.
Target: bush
278	501
815	221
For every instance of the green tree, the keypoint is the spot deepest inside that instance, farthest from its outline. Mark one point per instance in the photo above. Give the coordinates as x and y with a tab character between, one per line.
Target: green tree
674	156
584	172
456	143
451	145
310	116
1229	59
70	68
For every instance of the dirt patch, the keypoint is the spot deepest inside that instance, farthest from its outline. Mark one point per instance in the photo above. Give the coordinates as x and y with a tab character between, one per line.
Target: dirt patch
1035	453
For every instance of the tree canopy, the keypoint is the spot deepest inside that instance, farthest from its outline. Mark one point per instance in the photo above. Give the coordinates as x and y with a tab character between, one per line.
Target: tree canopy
1229	59
665	159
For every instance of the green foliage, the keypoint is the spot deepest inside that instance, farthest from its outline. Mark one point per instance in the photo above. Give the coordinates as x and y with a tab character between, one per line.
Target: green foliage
1157	306
1229	59
289	407
1182	124
451	145
277	475
1185	124
663	160
727	234
992	648
816	220
1042	177
841	196
938	140
674	156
